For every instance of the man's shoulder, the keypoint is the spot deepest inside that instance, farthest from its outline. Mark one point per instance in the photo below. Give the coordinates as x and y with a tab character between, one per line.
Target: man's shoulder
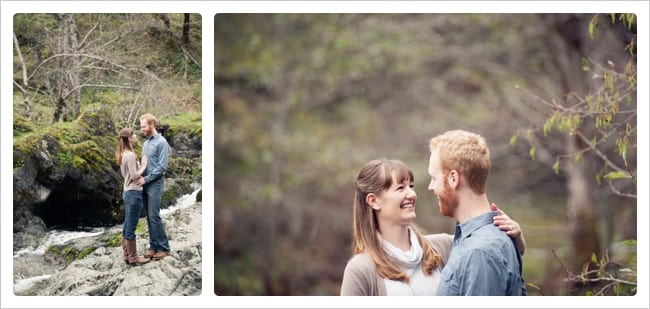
159	139
486	237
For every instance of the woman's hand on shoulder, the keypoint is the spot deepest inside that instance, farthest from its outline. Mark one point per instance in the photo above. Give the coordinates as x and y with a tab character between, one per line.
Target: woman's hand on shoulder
505	223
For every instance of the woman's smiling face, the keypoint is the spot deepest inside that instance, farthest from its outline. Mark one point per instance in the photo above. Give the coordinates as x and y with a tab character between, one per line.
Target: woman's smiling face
396	204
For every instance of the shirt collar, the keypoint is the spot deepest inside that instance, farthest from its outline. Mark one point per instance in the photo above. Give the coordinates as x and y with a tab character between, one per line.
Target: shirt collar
466	229
151	136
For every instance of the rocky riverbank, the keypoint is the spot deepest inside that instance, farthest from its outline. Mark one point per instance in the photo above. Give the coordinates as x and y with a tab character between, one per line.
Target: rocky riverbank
93	265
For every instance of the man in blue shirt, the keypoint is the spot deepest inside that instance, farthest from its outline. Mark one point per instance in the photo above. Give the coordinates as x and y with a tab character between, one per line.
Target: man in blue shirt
483	260
156	149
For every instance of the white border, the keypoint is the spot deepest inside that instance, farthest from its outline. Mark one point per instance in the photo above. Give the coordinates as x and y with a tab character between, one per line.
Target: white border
208	9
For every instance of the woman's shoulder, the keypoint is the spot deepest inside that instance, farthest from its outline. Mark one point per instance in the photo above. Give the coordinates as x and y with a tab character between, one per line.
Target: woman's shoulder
127	155
360	277
441	243
442	238
360	261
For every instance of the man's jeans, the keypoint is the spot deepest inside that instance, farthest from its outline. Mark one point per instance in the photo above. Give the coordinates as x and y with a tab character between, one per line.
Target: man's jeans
152	197
132	209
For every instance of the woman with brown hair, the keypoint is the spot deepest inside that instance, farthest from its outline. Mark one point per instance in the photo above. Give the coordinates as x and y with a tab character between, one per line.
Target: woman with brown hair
391	256
132	194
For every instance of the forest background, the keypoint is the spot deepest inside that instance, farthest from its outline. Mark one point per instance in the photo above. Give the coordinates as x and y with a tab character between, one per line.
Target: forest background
302	101
131	63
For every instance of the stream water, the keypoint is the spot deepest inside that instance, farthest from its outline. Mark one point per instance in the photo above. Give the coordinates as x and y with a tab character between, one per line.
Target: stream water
31	266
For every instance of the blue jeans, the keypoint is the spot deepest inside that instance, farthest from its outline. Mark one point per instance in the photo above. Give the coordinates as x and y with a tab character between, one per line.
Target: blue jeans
132	209
152	197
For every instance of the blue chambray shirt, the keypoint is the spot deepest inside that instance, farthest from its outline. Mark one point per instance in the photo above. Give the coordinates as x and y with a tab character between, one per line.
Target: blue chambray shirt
156	149
483	261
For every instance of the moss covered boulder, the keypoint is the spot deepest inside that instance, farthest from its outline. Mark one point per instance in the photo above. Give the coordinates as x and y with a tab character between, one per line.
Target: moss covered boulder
66	173
184	133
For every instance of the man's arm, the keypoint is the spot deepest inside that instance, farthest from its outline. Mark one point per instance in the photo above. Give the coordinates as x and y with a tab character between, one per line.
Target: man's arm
158	168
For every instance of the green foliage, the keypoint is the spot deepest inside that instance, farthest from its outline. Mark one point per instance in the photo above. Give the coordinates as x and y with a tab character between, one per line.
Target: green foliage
610	278
606	112
513	139
69	253
556	166
617	175
189	123
141	229
22	125
532	152
113	240
65	158
85	252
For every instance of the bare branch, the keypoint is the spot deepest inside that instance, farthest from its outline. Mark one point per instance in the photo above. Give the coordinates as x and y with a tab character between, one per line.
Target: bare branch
618	192
88	34
600	154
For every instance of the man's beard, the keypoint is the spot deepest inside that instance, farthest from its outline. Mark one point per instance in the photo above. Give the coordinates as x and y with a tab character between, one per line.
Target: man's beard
448	201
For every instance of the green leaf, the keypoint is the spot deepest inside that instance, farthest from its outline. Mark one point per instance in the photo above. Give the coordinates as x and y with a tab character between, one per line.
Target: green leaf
617	175
578	158
592	29
594	259
513	139
585	65
556	166
532	152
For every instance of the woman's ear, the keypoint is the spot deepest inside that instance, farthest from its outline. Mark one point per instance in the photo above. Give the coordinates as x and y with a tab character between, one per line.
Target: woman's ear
371	200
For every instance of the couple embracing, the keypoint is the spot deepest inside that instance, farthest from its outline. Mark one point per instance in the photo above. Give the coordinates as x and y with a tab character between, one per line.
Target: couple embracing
143	187
391	256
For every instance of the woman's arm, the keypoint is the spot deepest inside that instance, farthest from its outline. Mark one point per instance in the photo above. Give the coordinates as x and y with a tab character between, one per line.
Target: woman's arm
511	227
143	165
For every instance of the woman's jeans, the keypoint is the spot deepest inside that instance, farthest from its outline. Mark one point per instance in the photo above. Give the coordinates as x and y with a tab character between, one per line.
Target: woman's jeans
152	197
133	207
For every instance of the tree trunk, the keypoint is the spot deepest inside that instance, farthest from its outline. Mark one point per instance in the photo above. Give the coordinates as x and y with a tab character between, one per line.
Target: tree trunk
582	216
75	70
25	83
61	70
185	44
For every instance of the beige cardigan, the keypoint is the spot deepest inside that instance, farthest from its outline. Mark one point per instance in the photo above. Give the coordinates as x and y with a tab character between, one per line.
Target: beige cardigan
361	277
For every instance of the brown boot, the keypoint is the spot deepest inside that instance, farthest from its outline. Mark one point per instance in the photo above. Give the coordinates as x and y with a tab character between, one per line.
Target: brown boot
150	253
134	259
125	252
160	255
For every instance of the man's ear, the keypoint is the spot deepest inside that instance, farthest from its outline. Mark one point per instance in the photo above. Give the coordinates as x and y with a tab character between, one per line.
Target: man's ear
371	199
453	178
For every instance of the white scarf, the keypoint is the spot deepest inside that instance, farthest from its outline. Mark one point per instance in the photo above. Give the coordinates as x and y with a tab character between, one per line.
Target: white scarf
410	262
406	259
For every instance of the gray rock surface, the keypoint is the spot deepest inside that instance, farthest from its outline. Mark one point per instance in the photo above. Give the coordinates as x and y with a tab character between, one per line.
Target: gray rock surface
103	272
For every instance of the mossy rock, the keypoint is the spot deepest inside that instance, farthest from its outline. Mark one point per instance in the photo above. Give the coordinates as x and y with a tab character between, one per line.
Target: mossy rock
66	173
22	125
184	133
174	189
180	167
65	254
